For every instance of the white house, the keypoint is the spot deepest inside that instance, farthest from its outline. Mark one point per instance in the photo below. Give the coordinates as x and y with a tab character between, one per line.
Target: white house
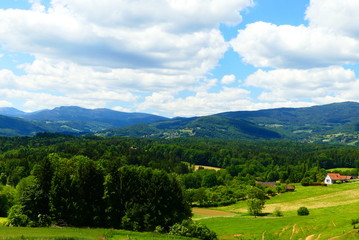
332	178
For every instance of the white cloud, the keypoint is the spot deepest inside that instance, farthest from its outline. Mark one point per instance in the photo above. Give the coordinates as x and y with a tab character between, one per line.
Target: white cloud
331	38
267	45
5	104
202	103
125	34
295	84
340	17
36	101
92	54
228	79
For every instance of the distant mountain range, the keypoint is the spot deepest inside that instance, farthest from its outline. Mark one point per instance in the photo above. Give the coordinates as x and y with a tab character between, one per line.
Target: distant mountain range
76	120
333	123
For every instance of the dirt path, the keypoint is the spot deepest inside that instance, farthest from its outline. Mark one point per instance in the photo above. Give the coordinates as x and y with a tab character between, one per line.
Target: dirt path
325	200
310	237
294	230
203	212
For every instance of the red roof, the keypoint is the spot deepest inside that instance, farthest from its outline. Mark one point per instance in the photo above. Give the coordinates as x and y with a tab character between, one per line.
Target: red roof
337	176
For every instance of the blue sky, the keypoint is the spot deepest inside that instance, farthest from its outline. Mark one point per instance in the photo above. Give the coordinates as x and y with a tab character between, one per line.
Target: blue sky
178	57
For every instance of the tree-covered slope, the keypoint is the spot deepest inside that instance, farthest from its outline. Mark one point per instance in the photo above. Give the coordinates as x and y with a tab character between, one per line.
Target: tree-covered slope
207	127
10	126
11	112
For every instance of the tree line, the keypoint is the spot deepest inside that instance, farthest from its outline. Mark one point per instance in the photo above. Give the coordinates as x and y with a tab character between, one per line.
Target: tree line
79	192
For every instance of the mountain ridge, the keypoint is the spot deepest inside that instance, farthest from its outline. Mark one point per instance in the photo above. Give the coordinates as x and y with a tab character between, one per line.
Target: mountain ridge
334	123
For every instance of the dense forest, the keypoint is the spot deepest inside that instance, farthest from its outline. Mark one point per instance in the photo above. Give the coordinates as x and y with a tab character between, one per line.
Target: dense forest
146	184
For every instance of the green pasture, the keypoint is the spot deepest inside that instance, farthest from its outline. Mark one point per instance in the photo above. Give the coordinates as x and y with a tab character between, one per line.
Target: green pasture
331	210
340	169
54	233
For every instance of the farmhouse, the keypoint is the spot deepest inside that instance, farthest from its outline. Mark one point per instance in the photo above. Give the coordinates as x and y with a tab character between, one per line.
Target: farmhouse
332	178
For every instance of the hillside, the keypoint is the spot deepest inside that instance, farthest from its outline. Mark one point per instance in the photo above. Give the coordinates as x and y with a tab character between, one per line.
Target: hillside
11	112
77	120
337	122
331	210
332	123
10	126
206	127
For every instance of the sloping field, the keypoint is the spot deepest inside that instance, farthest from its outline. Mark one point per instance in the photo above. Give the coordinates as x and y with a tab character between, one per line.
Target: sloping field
331	210
196	167
200	213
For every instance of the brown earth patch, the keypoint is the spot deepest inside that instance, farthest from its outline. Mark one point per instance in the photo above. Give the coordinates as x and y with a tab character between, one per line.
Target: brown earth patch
204	212
325	200
310	237
196	167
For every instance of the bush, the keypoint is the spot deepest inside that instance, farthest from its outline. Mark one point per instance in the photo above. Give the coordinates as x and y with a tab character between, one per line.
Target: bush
188	228
16	217
303	211
277	212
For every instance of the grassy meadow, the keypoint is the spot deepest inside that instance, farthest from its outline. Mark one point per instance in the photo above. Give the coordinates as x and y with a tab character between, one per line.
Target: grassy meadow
53	233
331	210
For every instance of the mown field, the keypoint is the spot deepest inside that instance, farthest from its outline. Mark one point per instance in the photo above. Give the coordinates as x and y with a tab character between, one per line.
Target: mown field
79	234
331	210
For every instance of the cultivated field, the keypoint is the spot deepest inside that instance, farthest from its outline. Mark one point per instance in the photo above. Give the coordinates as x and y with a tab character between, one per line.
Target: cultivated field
331	210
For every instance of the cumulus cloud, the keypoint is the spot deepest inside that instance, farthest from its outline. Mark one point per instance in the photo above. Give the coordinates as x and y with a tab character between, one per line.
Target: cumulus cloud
306	62
112	50
331	38
228	79
40	100
5	104
202	103
267	45
124	34
297	84
340	17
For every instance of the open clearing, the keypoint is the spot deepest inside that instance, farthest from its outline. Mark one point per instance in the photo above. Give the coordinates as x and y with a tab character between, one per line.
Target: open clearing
196	167
331	210
205	212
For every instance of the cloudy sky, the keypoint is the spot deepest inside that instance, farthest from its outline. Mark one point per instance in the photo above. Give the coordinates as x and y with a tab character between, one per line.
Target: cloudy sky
178	57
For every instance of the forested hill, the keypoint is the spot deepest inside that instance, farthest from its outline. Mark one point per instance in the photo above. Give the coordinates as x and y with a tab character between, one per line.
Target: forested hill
72	120
332	123
207	127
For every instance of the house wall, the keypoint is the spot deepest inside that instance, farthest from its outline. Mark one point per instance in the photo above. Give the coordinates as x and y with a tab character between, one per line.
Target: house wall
328	180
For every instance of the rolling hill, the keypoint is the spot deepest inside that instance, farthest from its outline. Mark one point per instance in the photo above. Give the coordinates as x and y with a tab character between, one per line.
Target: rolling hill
206	127
331	123
77	120
10	126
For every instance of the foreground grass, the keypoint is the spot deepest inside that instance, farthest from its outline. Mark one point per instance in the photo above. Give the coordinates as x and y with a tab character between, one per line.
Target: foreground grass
79	234
331	210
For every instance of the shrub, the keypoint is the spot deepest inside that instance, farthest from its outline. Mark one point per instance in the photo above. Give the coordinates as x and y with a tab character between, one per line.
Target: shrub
189	228
16	217
303	211
277	212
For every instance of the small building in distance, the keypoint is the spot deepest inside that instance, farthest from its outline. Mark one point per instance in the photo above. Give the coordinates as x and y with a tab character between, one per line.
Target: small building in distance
332	178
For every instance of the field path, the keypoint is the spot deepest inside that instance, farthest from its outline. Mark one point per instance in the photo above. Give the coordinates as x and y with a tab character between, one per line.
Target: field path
325	200
293	231
205	213
310	237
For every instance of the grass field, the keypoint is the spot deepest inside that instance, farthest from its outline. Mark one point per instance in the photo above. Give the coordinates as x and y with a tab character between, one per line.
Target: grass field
331	210
79	234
